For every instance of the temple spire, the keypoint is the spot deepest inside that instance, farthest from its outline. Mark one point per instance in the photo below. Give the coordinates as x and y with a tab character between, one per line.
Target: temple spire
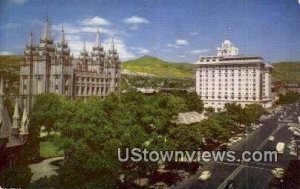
24	123
1	94
30	42
97	43
1	86
84	47
63	38
47	30
16	117
112	44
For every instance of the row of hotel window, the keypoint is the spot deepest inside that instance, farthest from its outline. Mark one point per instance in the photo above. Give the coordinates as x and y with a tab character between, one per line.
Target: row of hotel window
226	69
220	80
226	75
233	97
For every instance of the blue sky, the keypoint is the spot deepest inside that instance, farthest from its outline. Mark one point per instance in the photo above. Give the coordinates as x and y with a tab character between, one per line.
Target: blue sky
174	30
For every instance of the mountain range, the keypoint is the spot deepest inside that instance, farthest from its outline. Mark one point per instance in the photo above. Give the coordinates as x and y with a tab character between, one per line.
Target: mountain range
153	66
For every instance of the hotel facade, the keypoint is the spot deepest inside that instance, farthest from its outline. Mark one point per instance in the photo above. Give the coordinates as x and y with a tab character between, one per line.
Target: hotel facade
233	78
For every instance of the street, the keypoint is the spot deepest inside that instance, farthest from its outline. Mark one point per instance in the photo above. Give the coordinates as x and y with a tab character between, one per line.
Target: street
252	174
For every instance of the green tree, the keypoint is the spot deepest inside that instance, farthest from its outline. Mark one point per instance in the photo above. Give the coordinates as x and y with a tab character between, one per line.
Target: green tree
209	110
16	177
186	137
47	109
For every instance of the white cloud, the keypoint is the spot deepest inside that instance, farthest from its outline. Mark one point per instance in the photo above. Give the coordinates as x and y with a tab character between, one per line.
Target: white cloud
178	43
10	25
18	1
199	51
181	42
140	50
194	33
171	45
95	21
76	47
71	29
120	46
134	27
144	51
5	53
135	20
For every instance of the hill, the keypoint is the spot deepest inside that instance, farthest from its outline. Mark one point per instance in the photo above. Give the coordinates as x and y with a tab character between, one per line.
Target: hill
152	66
286	71
9	67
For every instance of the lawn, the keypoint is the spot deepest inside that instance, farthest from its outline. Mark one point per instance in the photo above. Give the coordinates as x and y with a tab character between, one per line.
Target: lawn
47	150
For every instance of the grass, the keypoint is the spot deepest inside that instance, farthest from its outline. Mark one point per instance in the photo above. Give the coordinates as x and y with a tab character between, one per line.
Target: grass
284	71
287	71
48	150
158	67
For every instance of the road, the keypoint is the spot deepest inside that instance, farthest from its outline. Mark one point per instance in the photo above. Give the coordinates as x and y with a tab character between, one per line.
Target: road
43	168
249	175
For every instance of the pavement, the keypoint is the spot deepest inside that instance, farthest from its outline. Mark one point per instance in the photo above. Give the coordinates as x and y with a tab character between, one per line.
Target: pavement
251	175
43	168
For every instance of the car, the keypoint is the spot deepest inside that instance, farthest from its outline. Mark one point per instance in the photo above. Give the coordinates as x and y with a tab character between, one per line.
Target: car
293	153
235	139
291	146
278	172
205	175
271	138
296	133
230	185
280	147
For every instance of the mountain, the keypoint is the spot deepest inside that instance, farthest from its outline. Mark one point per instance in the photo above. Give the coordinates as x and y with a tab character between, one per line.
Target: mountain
152	66
9	67
286	71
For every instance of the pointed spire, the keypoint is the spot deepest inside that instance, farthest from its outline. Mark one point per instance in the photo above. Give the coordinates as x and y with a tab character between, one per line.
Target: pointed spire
84	47
62	38
112	44
16	111
16	116
30	42
97	43
1	86
47	30
24	123
1	94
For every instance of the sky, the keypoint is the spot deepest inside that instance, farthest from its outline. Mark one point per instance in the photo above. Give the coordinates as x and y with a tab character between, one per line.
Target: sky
174	30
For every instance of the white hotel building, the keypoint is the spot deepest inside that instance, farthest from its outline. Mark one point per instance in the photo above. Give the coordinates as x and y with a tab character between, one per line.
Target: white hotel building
230	77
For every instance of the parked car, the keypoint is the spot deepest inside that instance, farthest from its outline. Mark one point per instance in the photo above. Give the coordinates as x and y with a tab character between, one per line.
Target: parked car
205	175
293	153
235	139
271	138
230	185
278	172
280	147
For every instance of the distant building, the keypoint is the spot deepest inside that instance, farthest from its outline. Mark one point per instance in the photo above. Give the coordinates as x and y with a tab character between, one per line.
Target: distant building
50	68
188	118
13	135
289	87
230	77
